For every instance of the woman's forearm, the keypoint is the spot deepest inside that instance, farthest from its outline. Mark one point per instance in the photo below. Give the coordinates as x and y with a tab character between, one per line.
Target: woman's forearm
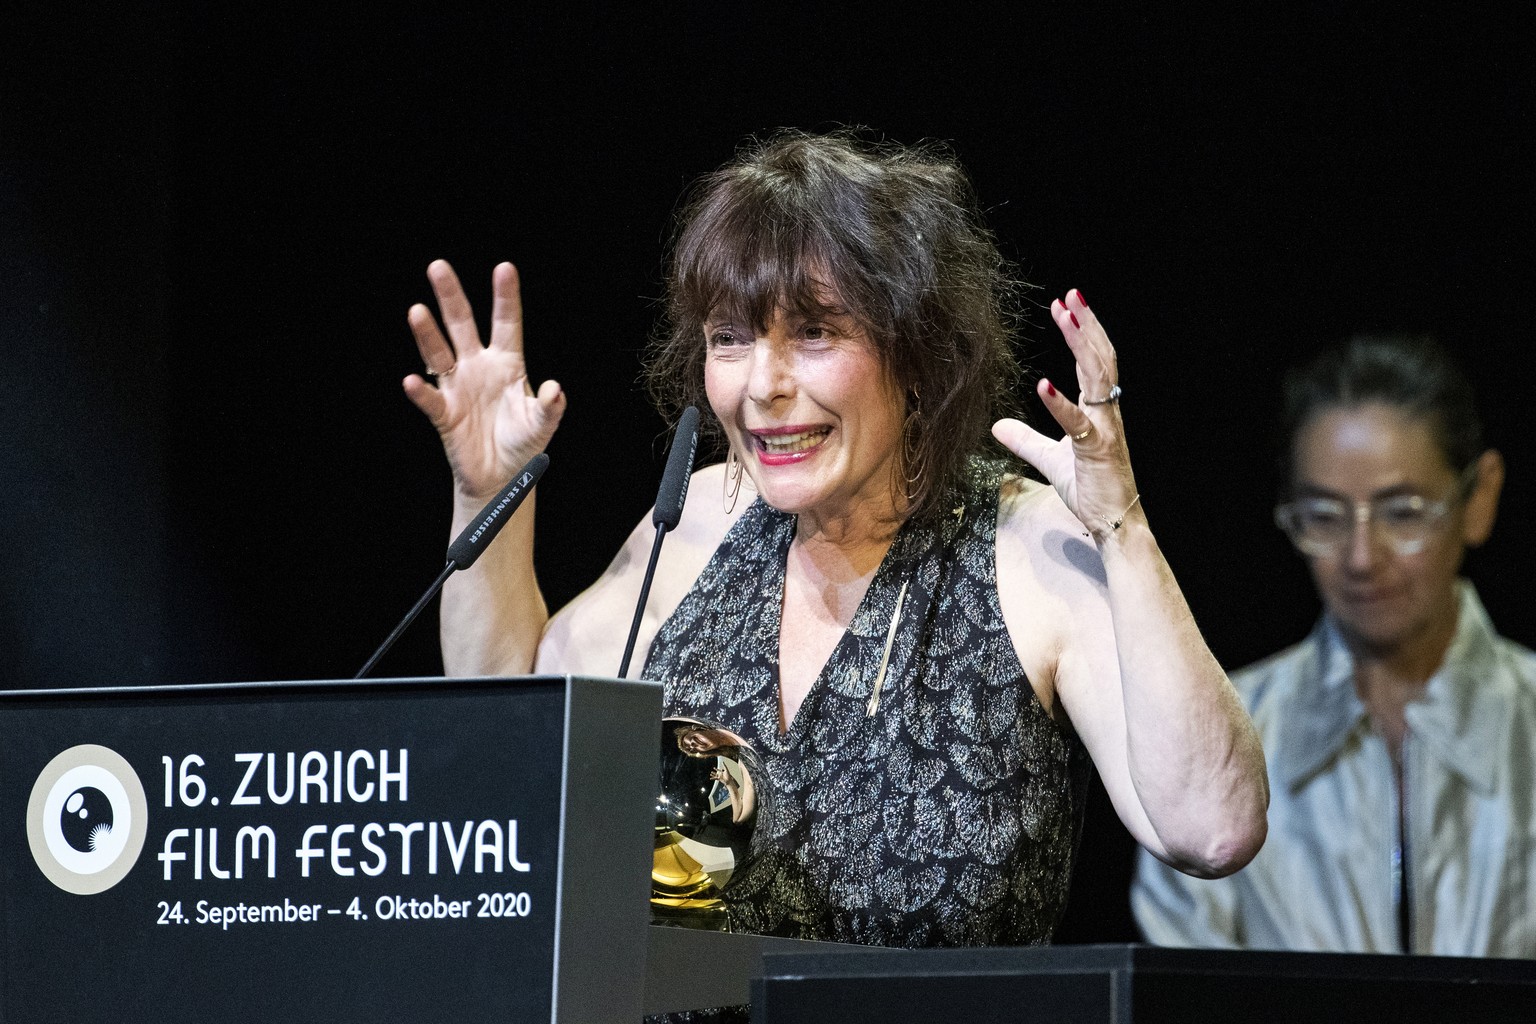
493	613
1191	751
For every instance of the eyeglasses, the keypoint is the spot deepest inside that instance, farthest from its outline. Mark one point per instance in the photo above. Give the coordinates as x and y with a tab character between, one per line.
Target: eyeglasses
1321	527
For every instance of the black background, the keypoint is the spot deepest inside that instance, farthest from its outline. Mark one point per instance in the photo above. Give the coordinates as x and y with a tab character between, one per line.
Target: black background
214	220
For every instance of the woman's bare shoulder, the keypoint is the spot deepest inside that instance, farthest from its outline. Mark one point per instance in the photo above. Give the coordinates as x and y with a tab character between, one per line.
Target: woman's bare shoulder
594	626
1038	532
1050	580
707	518
707	515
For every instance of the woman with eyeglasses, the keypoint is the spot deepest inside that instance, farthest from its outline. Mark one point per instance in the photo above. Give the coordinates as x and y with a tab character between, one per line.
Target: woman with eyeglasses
1401	735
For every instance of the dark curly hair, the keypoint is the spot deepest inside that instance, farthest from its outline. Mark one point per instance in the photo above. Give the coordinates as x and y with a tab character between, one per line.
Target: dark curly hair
894	234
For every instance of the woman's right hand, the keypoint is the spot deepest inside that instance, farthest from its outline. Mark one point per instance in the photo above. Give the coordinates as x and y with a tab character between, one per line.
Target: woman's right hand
486	411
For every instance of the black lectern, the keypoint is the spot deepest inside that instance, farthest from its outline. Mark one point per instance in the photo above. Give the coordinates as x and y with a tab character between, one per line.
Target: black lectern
480	850
1139	985
404	850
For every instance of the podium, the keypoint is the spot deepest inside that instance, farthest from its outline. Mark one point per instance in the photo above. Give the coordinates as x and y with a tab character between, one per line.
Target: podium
1140	985
480	850
403	850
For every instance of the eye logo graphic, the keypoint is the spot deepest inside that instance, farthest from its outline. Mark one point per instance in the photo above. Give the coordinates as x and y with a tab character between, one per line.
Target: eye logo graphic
87	819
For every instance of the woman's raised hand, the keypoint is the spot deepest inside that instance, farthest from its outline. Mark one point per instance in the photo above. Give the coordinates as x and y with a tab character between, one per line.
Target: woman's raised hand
1090	467
485	409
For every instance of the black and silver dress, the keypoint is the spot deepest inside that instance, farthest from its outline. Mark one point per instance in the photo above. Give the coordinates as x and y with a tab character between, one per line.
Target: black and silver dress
943	810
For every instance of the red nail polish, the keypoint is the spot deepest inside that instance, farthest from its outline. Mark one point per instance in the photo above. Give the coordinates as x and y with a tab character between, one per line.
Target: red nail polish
1081	298
1050	388
1074	319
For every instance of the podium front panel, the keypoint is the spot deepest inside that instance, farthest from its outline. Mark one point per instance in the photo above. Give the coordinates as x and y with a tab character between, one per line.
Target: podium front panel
383	850
1140	985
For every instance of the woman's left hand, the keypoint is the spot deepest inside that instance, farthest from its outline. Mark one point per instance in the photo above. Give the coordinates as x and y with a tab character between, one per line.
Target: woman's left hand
1179	757
1090	467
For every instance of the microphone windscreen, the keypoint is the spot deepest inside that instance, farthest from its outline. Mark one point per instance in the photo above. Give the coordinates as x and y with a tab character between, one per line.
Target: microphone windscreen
478	535
674	483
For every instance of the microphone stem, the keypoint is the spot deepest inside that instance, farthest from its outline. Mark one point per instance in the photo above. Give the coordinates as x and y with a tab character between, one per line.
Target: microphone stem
410	617
645	592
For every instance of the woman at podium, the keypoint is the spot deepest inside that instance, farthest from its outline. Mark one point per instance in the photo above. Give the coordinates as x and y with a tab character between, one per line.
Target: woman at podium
924	643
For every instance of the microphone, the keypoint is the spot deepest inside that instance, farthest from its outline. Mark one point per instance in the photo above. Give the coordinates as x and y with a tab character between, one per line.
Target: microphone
668	511
470	542
477	536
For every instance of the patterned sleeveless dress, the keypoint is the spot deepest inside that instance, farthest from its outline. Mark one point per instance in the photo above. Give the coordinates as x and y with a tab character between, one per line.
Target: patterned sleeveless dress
945	811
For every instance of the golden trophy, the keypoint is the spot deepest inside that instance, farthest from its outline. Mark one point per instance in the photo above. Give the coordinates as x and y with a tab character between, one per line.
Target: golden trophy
712	788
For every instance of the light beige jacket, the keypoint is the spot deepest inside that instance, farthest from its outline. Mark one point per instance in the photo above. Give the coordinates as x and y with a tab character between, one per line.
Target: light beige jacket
1332	870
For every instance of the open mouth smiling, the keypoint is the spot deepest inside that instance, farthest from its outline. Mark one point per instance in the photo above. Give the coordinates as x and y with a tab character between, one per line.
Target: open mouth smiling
790	444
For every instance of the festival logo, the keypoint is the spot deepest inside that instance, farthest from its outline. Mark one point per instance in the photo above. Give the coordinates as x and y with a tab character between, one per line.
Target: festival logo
87	819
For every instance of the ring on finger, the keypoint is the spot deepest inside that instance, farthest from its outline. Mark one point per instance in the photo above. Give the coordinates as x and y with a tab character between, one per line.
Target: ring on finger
445	373
1085	433
1113	396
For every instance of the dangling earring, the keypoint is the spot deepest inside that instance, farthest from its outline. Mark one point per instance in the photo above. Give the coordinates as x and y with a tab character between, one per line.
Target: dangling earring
730	484
914	466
